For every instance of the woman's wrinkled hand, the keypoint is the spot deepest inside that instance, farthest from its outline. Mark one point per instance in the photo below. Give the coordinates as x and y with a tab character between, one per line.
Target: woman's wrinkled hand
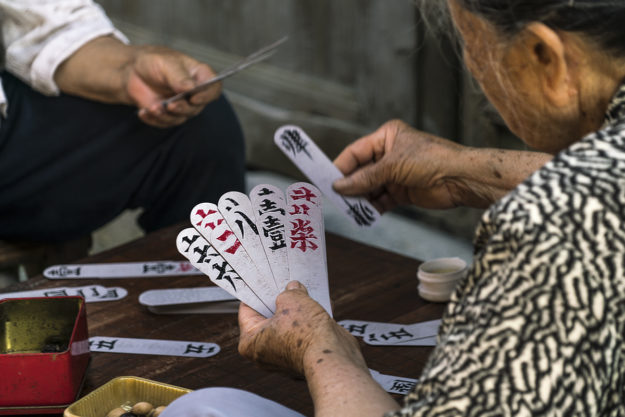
299	330
398	165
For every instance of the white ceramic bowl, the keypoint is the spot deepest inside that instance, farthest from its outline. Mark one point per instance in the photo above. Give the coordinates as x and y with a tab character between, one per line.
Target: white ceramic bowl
438	278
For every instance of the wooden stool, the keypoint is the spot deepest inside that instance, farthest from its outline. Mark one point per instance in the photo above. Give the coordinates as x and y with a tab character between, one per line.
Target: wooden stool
33	257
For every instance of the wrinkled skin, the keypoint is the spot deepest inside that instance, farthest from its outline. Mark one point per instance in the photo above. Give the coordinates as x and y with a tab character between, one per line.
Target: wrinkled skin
398	165
300	332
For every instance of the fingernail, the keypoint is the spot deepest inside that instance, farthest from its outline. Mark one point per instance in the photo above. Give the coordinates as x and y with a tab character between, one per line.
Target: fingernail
340	183
294	285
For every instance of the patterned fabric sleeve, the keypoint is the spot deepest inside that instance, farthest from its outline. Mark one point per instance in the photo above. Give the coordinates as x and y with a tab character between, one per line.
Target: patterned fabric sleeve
538	326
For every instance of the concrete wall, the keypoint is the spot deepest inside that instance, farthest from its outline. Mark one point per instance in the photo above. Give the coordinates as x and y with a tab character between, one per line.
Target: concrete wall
349	66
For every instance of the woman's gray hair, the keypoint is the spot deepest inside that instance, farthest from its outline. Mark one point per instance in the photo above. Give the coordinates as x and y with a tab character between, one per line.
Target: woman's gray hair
601	20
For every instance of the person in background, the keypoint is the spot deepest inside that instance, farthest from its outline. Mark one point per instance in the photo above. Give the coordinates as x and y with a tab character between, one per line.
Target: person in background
83	134
537	326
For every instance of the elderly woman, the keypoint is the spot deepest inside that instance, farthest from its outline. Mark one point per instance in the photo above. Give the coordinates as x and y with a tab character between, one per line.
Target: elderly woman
538	325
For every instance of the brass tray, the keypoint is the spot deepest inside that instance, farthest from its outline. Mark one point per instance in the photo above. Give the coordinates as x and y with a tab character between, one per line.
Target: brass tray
124	390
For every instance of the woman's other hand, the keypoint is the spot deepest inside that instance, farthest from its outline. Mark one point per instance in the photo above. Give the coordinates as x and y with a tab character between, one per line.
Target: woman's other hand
296	337
301	338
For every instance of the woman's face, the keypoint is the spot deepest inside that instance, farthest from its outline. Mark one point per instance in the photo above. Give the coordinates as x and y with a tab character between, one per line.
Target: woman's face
511	85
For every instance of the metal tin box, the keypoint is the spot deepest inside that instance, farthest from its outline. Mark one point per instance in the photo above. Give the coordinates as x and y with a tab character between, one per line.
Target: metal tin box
44	353
121	391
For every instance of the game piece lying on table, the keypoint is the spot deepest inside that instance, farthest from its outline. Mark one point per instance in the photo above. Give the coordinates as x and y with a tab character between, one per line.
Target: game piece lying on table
393	334
136	346
199	300
120	270
91	293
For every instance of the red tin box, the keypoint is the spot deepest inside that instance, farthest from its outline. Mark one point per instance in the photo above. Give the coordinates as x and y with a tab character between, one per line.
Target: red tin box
44	353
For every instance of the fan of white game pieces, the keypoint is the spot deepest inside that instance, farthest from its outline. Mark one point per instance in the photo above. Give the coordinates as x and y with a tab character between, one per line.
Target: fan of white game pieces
253	246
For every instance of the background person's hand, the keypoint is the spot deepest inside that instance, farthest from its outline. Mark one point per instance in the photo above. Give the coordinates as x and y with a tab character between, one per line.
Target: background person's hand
290	340
158	73
106	70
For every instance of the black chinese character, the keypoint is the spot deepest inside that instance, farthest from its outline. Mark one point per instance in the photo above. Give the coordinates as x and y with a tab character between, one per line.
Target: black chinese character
199	349
159	268
226	272
362	214
402	386
400	334
249	222
104	344
268	206
190	241
357	328
294	143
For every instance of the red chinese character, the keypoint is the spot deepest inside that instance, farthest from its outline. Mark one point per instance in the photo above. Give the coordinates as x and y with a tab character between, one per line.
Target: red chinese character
302	235
224	236
213	225
204	215
304	193
185	266
300	209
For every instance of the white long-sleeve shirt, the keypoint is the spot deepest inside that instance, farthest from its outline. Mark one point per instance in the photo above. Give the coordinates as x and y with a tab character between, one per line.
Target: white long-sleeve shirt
38	35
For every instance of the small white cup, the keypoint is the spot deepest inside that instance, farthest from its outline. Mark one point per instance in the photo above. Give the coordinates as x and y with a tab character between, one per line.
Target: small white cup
438	278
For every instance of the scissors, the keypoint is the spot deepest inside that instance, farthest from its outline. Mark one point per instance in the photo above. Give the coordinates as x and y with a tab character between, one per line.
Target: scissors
260	55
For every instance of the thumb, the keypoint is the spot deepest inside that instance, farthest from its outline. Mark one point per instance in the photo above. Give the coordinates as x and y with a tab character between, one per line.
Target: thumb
178	77
362	181
296	285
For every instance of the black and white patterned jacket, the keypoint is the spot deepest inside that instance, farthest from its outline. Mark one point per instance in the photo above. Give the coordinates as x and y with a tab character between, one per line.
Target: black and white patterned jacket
537	328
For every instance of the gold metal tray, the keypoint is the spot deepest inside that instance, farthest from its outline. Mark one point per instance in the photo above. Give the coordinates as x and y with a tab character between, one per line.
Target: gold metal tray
121	391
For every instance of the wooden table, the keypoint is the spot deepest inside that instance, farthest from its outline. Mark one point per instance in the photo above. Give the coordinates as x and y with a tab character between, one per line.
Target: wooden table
365	284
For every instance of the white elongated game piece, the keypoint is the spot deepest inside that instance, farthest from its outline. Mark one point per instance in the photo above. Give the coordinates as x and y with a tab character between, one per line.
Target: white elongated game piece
391	334
221	307
305	242
236	208
269	205
91	293
311	160
120	270
198	300
208	260
416	334
175	296
153	347
394	384
207	220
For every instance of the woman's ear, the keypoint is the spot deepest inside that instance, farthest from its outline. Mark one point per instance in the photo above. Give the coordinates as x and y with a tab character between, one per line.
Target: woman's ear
546	54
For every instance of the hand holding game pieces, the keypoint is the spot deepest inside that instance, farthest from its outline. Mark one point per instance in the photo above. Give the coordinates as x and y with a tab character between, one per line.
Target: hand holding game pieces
287	340
252	247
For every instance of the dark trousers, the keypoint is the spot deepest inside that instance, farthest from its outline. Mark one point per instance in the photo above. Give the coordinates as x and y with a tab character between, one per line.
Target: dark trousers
69	165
